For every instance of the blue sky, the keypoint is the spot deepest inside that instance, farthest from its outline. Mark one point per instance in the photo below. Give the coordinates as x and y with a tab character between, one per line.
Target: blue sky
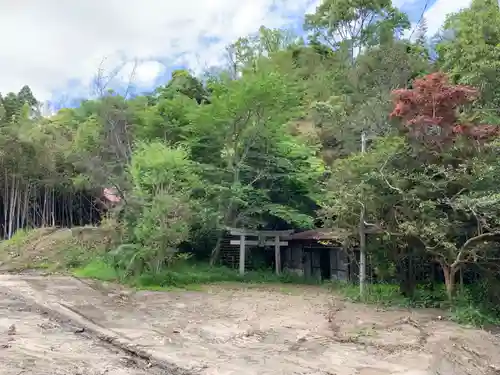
57	47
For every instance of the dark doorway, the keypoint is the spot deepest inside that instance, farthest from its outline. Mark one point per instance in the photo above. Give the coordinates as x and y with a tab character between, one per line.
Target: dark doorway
319	262
324	261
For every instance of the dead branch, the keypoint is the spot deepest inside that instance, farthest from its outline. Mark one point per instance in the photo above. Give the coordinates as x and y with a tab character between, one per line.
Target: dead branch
386	180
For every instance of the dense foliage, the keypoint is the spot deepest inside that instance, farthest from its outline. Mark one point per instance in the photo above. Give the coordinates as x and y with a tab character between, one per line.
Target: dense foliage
273	141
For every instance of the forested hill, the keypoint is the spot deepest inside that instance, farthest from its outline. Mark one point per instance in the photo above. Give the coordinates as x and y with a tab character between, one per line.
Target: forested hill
274	141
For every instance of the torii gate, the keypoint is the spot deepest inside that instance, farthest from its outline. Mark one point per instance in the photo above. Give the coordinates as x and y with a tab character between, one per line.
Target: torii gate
261	242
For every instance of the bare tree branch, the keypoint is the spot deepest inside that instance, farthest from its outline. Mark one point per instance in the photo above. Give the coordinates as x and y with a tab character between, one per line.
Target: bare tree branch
472	241
386	180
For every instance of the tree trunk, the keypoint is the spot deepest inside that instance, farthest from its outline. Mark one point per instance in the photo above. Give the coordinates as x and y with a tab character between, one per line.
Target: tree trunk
362	254
412	280
406	285
214	256
449	279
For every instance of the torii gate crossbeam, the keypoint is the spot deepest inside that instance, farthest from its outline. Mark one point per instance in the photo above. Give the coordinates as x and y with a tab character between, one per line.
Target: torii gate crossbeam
261	235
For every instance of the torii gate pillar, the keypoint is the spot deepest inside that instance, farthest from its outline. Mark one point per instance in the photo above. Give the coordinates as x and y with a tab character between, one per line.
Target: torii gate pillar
243	242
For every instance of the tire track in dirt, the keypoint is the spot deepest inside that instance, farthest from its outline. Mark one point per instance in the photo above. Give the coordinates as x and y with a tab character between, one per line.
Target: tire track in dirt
252	331
35	341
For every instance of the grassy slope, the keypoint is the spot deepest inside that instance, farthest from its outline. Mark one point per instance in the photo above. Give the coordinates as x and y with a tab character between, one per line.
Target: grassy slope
52	249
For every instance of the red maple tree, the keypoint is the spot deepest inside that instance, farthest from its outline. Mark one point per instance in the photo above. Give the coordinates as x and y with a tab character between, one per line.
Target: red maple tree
429	110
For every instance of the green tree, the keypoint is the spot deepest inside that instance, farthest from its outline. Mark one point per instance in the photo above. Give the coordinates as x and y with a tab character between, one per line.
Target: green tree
17	105
470	53
101	144
432	190
26	97
355	24
157	220
241	138
247	52
184	83
362	97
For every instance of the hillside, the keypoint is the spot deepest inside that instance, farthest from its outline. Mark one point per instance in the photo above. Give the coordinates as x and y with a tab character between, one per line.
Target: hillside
273	141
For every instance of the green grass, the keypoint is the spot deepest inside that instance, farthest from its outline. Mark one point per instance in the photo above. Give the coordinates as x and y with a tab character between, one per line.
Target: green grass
16	242
18	238
379	294
99	270
186	276
474	307
49	249
467	308
387	294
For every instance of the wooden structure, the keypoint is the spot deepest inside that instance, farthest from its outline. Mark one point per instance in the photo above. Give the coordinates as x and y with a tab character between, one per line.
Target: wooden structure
314	253
317	254
262	239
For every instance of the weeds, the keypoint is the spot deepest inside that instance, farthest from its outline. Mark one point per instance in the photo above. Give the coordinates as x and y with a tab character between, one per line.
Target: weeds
185	275
474	306
468	307
52	249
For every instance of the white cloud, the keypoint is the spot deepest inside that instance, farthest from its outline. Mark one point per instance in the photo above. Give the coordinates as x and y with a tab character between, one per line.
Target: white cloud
49	43
141	73
400	3
46	44
312	6
436	14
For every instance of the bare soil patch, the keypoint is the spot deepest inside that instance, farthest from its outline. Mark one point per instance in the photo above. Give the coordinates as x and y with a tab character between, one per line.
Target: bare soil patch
230	330
33	342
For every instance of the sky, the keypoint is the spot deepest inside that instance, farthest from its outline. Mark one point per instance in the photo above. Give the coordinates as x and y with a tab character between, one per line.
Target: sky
58	47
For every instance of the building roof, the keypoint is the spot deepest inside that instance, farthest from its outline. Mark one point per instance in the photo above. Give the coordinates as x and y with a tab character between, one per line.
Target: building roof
319	234
334	234
111	195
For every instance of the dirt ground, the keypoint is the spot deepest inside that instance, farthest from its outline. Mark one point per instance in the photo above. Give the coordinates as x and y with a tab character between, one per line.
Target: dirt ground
31	342
229	330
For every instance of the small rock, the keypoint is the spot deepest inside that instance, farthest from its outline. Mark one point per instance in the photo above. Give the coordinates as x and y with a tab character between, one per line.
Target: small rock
80	330
176	331
12	330
128	362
